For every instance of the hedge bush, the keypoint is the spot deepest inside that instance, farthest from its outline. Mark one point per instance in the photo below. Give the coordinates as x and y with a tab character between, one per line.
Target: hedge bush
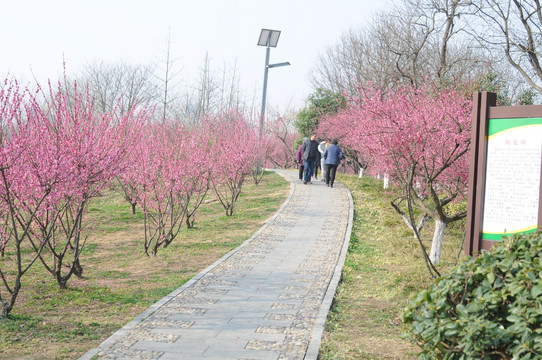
486	308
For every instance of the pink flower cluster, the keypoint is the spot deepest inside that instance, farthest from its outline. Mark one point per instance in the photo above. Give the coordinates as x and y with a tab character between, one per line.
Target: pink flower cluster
425	130
173	168
234	150
57	153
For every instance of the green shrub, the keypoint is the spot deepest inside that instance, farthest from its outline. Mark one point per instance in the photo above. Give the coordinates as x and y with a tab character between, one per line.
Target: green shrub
486	308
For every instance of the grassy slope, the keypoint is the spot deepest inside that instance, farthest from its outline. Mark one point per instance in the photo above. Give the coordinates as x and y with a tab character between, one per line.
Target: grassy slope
383	269
120	281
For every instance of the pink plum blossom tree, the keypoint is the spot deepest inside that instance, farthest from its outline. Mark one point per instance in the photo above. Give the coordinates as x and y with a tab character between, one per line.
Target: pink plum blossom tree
172	177
419	138
201	162
129	191
235	148
30	175
92	149
281	151
14	263
263	148
339	127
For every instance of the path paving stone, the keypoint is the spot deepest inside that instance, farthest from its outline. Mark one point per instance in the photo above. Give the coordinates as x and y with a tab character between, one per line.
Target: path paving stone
267	299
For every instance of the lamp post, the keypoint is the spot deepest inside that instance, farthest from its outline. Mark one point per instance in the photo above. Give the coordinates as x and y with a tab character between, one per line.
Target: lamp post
268	38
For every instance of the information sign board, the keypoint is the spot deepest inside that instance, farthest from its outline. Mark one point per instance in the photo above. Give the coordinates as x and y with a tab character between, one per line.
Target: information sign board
512	189
505	187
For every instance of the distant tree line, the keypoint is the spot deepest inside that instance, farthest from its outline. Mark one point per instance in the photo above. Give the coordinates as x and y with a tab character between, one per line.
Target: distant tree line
493	43
397	94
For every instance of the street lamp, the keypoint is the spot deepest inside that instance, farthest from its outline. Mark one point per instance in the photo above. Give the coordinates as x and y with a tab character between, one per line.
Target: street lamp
268	38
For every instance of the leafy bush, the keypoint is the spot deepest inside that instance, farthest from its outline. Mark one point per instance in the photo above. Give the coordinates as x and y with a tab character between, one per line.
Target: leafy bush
486	308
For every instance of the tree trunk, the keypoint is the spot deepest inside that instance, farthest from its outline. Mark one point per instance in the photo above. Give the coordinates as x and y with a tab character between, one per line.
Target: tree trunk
421	222
77	268
436	244
190	221
61	280
6	308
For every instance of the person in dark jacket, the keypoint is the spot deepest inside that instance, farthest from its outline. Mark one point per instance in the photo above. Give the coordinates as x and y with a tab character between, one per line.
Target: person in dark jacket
332	155
310	151
299	159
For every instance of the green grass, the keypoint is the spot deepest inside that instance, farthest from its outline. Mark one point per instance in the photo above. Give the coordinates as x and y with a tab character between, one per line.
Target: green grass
120	281
383	269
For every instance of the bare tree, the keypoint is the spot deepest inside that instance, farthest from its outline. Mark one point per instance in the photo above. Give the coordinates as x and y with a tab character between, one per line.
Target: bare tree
207	88
167	79
513	28
214	91
413	41
133	84
230	94
281	128
344	65
202	96
109	82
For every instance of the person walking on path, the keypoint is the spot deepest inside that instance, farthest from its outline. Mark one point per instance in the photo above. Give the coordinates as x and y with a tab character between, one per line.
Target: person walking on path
321	148
310	153
317	162
299	159
332	155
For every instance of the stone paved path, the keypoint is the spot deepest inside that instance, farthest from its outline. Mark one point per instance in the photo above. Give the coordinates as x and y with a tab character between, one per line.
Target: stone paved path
267	299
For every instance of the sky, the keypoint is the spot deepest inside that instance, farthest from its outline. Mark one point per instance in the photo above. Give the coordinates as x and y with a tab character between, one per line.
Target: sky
38	35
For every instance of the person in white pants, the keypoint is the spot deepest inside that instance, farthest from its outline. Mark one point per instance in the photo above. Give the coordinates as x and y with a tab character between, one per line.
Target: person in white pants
321	148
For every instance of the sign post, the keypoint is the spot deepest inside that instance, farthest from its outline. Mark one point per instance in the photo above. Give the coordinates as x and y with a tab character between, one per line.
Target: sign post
505	187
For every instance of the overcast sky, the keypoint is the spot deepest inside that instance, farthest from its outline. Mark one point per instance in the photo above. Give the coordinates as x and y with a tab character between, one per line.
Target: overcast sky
37	34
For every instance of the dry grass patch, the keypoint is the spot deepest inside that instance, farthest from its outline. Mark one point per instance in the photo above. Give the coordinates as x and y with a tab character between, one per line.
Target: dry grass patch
120	281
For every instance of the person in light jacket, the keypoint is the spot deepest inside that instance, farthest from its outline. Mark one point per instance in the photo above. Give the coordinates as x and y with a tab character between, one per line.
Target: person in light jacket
321	148
332	157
